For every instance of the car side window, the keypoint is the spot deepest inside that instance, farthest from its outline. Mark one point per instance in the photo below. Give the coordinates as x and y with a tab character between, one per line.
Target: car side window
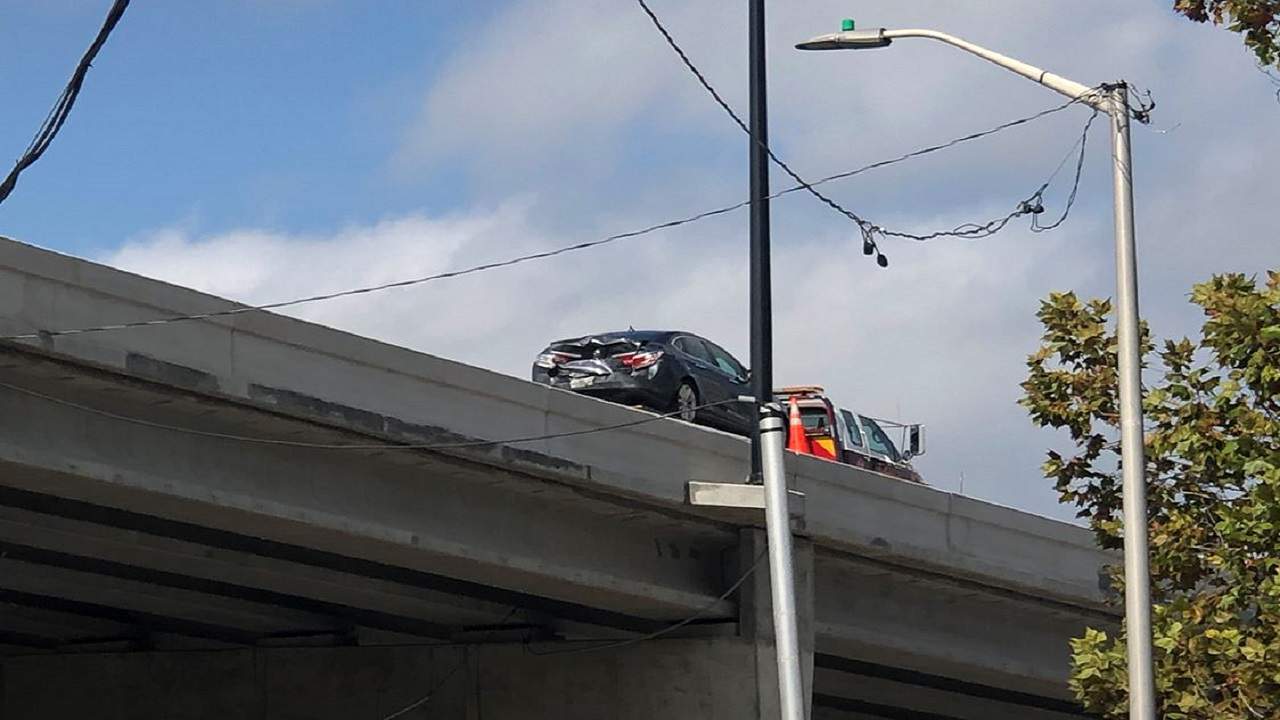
693	346
725	362
853	436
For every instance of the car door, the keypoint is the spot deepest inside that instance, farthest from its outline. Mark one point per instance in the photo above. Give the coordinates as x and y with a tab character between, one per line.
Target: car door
733	376
712	387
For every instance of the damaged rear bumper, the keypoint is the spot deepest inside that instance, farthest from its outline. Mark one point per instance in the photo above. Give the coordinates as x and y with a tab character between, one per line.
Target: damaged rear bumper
649	387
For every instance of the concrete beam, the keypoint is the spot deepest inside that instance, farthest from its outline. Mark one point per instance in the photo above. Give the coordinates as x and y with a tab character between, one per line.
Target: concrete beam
104	549
937	625
417	512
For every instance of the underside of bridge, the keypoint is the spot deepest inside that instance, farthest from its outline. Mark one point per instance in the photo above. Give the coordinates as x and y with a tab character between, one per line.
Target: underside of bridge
143	573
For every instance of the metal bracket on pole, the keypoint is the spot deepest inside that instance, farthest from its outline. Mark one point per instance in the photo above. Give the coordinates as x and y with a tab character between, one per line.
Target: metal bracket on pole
739	495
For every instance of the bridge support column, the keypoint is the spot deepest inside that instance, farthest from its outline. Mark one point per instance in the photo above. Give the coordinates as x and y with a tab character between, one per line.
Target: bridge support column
755	618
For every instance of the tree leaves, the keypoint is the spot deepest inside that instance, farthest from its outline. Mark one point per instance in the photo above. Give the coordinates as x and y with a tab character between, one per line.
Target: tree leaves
1257	20
1212	437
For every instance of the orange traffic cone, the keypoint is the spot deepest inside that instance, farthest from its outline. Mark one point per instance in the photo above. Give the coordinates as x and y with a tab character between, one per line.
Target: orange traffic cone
797	440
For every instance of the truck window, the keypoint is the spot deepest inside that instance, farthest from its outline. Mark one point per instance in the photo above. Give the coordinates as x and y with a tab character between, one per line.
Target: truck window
853	436
814	418
878	441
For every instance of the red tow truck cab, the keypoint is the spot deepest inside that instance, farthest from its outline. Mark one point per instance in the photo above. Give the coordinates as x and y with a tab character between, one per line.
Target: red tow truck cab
848	437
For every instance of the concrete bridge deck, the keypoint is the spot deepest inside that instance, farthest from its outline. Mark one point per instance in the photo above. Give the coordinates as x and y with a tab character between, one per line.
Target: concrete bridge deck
148	544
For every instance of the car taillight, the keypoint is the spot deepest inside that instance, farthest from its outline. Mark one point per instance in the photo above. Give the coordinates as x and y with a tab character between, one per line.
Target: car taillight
552	359
638	360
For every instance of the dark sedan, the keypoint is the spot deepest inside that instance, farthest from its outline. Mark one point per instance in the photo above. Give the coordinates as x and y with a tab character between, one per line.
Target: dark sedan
666	371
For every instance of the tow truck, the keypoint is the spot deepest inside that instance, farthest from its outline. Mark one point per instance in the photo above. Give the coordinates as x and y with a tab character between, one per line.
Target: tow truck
848	437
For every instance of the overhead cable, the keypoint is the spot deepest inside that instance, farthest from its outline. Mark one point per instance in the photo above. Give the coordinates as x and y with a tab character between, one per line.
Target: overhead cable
1030	206
1075	183
62	108
242	309
430	694
614	644
258	440
606	645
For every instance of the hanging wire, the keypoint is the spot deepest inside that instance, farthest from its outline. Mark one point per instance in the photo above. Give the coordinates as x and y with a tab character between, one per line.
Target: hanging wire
57	116
1033	205
1075	183
538	255
614	644
869	231
605	645
430	694
258	440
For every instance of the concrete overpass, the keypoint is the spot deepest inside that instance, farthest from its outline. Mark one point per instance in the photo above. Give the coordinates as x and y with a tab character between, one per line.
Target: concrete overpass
175	542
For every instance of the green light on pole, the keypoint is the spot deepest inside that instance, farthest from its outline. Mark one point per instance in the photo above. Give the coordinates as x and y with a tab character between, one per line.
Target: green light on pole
846	25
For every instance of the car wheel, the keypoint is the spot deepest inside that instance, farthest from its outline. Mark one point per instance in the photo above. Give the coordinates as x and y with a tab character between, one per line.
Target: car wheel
686	402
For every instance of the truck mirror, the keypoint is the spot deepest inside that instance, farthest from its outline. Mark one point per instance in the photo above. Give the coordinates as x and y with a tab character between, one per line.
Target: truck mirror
915	440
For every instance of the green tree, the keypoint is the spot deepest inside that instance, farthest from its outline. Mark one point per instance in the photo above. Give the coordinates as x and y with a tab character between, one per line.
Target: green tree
1212	435
1257	20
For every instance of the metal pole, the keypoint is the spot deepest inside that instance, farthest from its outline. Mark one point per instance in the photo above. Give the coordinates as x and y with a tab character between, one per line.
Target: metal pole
767	444
782	579
761	301
1137	588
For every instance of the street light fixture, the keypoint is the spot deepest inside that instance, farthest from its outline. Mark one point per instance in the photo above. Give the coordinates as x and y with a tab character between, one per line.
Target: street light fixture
1113	100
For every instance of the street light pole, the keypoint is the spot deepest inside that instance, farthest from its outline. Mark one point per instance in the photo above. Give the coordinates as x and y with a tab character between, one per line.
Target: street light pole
1137	573
766	445
761	281
1113	100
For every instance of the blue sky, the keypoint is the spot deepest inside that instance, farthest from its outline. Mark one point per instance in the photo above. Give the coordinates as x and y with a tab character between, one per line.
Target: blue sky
262	149
273	114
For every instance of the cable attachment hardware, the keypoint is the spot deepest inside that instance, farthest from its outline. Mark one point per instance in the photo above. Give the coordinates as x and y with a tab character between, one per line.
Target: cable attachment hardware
1031	206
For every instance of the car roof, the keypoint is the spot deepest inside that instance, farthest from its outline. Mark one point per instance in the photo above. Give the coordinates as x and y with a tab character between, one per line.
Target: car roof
641	335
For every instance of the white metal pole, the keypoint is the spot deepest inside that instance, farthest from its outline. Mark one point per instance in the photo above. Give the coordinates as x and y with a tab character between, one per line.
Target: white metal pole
782	585
1137	590
1070	88
1137	571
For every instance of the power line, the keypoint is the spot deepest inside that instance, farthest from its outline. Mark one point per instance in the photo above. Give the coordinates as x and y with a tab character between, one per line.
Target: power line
868	229
62	108
1075	184
862	224
1032	205
935	148
255	440
609	645
430	693
447	676
539	255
